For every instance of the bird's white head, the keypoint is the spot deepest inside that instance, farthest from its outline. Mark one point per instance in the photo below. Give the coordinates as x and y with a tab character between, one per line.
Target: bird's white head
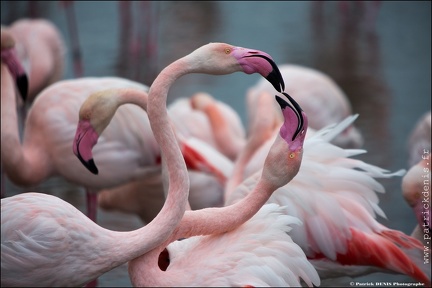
94	116
222	58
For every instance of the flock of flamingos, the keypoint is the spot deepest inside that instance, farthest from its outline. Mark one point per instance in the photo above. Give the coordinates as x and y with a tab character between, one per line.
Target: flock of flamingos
285	203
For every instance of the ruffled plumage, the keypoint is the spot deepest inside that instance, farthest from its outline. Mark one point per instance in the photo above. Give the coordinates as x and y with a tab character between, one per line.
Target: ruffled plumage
259	253
333	194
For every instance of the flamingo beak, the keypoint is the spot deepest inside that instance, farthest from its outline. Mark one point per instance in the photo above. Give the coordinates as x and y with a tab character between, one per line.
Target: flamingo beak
90	164
22	84
295	120
85	138
10	58
274	76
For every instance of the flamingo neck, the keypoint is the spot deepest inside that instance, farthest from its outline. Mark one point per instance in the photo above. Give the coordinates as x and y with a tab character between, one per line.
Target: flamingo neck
252	145
178	191
132	96
18	163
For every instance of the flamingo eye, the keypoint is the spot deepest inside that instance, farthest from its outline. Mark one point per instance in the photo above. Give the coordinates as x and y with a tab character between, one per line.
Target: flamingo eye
227	50
292	155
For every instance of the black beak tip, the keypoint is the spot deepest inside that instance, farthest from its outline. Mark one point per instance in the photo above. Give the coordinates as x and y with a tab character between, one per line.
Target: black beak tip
275	78
282	103
90	165
22	84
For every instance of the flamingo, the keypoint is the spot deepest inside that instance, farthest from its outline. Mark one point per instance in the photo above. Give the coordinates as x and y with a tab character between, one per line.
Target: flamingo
41	48
346	239
12	75
417	194
220	223
96	113
48	242
420	139
48	135
313	90
13	72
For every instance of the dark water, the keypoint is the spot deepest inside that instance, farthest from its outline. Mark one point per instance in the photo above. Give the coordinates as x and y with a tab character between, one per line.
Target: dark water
380	57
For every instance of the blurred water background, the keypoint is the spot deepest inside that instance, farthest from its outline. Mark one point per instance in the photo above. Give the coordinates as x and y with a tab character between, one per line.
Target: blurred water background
380	55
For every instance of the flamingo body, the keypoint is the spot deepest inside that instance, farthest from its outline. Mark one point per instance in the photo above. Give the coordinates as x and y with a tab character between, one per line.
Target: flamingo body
49	131
260	253
347	233
48	242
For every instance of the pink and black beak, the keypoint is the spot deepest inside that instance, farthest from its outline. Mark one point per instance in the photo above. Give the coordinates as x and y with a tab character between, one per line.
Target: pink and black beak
295	107
295	121
255	61
85	138
13	63
275	76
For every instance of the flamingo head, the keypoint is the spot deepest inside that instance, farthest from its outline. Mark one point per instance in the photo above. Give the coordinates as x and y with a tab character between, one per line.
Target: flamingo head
94	116
285	155
222	58
414	192
10	59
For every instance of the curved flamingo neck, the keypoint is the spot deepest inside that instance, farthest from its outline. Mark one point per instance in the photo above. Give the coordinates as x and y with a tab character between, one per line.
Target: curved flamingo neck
132	96
19	161
178	191
159	229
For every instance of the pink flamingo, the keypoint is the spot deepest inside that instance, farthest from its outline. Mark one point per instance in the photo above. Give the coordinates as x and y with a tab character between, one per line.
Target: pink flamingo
94	116
420	139
13	75
13	72
415	181
222	58
345	240
313	90
52	243
48	135
41	48
417	194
